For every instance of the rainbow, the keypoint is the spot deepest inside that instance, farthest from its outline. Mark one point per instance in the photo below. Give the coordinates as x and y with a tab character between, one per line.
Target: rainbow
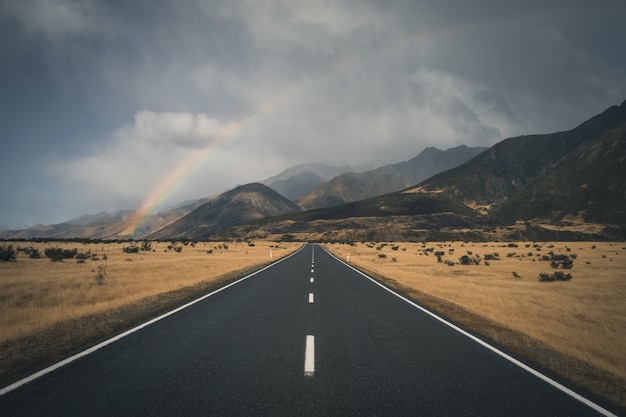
180	173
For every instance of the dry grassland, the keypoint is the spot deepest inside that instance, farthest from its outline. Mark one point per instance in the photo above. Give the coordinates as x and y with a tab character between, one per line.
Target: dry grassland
44	302
583	318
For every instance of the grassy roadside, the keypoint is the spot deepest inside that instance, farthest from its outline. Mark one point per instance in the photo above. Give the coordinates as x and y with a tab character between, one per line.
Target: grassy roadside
601	383
463	296
29	346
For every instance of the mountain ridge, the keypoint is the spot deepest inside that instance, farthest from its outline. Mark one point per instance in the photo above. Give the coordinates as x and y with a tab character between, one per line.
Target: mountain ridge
526	187
350	187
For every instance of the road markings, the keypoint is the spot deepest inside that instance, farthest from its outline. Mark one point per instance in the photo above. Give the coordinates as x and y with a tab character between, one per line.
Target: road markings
312	271
309	356
114	339
311	280
310	298
486	345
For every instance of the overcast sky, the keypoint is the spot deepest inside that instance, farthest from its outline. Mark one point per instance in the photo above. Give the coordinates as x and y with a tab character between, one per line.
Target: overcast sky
103	102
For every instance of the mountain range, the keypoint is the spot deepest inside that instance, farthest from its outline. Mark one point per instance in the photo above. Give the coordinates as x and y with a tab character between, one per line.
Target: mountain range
522	187
356	186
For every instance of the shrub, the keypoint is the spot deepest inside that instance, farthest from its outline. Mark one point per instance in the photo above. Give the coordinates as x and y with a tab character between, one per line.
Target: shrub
146	246
466	260
132	248
7	253
382	255
558	260
556	276
69	253
55	254
100	274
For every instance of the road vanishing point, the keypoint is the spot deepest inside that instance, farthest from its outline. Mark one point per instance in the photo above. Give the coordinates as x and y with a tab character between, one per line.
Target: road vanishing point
307	336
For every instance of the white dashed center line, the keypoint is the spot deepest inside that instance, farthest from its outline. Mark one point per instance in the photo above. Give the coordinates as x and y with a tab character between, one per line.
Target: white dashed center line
309	356
312	279
310	298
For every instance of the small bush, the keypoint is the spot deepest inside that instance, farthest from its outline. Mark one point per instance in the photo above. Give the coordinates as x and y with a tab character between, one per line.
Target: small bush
382	255
146	246
466	260
556	276
7	253
132	248
100	274
55	254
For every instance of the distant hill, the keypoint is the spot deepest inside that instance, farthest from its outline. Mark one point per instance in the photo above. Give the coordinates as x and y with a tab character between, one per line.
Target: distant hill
103	225
298	180
241	205
353	186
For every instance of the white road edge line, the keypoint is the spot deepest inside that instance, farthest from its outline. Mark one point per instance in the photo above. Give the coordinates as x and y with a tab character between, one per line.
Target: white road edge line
310	298
99	346
309	356
506	356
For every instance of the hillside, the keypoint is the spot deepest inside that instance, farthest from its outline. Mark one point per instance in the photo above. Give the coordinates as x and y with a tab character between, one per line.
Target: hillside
235	207
514	163
350	187
588	184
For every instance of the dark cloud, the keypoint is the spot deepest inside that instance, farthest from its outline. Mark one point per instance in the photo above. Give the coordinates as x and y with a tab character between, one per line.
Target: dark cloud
103	100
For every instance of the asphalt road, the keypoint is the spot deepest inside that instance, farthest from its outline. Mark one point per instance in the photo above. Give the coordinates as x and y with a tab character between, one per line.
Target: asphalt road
307	337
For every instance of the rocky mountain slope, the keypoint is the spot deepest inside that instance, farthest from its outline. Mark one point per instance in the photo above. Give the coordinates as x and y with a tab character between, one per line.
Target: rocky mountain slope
513	163
353	186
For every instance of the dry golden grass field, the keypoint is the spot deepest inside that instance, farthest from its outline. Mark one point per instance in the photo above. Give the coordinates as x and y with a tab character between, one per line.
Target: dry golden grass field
582	319
48	308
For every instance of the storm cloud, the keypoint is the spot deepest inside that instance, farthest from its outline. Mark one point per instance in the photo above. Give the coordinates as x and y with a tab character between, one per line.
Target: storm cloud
101	101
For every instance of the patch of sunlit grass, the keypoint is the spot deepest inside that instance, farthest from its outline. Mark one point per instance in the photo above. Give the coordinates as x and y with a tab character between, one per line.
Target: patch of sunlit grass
36	294
584	318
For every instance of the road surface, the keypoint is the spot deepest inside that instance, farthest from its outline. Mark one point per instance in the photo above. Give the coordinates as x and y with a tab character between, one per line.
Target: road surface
308	336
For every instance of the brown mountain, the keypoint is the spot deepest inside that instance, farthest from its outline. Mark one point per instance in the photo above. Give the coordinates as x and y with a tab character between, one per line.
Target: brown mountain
235	207
354	186
515	163
588	184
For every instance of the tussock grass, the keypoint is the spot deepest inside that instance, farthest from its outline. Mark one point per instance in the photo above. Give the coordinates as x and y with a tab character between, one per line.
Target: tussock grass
53	307
583	319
